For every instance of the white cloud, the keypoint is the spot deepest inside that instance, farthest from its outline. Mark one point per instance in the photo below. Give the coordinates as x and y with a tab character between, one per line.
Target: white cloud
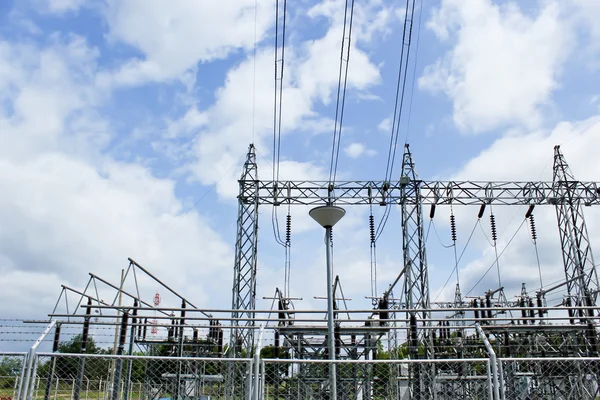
385	125
311	75
525	157
503	65
174	36
58	6
585	13
70	208
356	150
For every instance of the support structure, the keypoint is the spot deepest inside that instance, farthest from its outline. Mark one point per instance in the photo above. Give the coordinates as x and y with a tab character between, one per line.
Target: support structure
580	272
244	269
416	280
412	194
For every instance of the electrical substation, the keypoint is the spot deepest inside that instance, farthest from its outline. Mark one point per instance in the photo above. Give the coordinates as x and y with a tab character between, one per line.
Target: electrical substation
494	344
448	341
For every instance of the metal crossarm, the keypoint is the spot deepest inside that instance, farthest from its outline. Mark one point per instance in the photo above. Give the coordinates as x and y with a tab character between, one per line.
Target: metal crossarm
431	192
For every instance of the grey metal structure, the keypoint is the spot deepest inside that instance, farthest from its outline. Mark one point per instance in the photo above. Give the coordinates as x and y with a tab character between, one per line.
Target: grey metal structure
580	271
412	194
244	271
345	193
416	280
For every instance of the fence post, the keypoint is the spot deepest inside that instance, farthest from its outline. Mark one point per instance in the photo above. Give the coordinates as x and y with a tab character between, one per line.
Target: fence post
257	363
22	376
31	362
501	374
493	361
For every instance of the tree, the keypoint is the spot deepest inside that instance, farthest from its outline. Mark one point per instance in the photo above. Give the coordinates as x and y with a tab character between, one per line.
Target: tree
73	346
66	367
10	368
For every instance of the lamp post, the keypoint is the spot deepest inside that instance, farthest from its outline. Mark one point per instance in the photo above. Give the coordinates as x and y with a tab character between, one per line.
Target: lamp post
327	216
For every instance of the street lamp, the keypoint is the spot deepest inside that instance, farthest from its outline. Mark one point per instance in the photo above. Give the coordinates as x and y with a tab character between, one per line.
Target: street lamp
327	216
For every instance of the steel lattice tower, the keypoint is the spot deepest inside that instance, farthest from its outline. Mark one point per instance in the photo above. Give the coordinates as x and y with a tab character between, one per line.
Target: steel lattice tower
580	272
416	280
244	269
416	283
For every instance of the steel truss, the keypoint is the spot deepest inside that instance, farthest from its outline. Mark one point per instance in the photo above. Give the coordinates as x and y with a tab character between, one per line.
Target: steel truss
244	271
580	270
412	194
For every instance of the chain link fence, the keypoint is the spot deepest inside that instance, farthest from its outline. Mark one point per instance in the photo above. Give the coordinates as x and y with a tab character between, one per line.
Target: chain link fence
549	378
89	377
379	379
55	376
12	366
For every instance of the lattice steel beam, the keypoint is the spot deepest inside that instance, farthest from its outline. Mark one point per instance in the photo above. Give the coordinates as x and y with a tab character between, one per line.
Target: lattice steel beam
431	192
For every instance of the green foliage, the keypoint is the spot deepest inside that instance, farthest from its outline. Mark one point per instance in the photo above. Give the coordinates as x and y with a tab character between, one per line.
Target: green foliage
73	346
274	372
67	367
10	368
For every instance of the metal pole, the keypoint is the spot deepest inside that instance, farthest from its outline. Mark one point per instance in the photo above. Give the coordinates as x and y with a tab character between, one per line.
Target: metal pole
131	343
330	327
493	361
119	362
52	363
25	392
81	361
257	364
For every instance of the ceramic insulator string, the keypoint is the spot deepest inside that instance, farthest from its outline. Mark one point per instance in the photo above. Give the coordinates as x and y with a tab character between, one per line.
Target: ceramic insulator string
288	228
532	227
453	227
493	227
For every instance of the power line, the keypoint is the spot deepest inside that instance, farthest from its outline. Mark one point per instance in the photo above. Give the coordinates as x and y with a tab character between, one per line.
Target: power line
502	252
398	105
341	91
254	74
278	102
278	106
400	89
412	90
458	261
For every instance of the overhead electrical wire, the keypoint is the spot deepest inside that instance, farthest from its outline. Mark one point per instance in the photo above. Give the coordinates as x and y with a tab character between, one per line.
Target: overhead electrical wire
254	72
494	263
341	90
399	99
400	89
279	70
458	260
412	90
278	105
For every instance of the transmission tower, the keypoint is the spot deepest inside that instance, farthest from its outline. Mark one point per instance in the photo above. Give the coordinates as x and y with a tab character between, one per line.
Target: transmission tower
416	281
580	271
416	287
244	270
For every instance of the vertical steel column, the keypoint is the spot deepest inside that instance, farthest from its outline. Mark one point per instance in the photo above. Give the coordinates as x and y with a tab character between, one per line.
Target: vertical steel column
116	389
50	379
416	281
244	269
84	340
330	321
131	344
576	251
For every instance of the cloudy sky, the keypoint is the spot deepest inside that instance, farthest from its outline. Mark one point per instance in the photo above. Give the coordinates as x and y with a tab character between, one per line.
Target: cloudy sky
124	126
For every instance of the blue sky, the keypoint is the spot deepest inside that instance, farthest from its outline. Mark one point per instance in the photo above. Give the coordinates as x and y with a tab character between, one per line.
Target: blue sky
116	117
